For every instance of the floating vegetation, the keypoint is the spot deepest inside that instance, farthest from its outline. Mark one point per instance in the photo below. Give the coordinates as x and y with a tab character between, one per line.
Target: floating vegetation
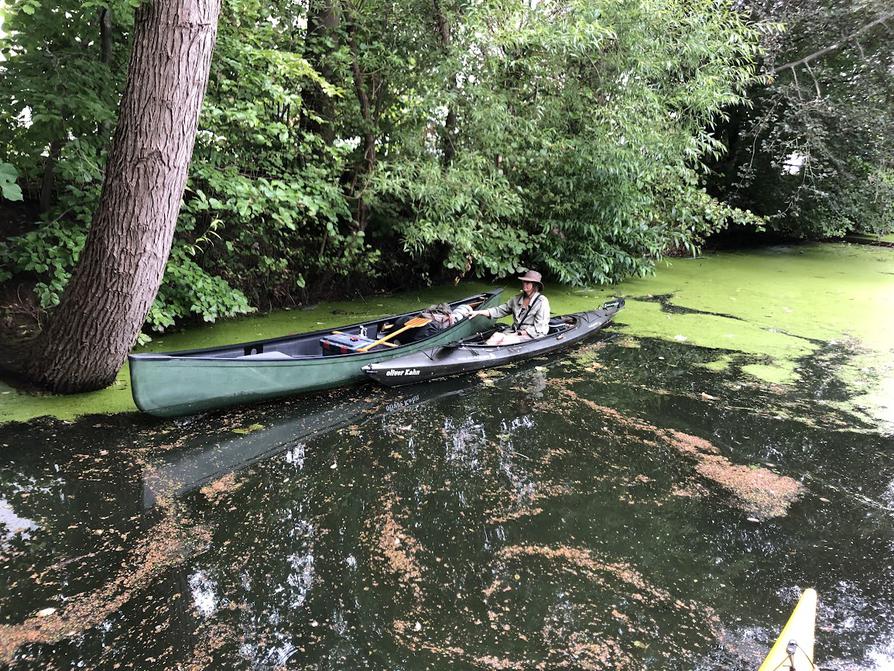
220	488
172	541
757	490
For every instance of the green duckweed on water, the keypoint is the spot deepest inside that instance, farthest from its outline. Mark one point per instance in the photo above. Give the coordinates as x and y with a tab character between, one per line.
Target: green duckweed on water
762	310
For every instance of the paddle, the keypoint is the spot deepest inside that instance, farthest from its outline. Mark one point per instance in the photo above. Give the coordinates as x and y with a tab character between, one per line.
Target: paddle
390	344
415	322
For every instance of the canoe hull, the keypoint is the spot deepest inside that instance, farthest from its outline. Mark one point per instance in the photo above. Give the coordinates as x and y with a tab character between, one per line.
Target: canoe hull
171	385
794	647
455	360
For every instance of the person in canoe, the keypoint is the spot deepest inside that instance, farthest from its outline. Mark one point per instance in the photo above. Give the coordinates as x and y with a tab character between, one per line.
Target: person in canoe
529	310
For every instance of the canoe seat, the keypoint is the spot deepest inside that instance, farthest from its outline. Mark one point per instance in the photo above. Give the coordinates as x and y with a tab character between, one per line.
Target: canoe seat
266	355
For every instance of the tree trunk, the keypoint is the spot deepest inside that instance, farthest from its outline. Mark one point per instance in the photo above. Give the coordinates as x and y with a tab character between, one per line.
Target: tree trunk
117	277
105	35
48	181
449	130
322	42
370	120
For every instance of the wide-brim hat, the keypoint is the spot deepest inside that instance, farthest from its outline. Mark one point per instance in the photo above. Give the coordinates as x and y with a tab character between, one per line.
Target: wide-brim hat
532	276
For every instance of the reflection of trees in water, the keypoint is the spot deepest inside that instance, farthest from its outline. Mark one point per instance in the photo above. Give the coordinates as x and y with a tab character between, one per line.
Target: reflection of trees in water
76	504
463	441
469	592
481	528
163	546
391	550
277	572
522	487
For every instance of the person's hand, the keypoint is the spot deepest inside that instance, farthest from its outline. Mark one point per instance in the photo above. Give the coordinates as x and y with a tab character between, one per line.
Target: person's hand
477	313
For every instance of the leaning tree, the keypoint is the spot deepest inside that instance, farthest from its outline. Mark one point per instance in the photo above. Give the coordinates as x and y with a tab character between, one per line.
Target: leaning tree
120	269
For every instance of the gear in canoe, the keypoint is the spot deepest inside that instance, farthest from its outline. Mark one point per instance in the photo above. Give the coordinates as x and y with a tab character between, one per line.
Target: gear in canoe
181	383
472	354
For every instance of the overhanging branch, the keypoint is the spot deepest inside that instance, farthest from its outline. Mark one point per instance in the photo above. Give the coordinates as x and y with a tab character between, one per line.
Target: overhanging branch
836	45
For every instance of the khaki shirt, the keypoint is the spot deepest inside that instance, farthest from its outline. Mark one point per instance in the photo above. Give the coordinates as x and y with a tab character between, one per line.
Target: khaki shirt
534	321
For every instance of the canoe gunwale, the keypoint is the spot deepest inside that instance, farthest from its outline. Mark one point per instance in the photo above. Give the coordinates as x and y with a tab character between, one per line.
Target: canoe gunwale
304	359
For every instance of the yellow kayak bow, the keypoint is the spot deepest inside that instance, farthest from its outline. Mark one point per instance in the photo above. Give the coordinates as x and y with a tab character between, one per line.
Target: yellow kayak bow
793	650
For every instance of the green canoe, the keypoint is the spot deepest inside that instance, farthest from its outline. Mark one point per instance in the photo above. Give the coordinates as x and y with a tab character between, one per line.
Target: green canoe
182	383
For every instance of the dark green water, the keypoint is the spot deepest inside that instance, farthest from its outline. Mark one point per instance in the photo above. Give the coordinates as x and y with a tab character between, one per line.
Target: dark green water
542	518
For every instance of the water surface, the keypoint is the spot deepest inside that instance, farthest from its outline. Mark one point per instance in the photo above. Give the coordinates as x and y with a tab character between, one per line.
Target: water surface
621	508
654	500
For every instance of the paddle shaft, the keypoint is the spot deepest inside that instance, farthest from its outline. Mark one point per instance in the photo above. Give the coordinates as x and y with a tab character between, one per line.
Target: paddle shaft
415	322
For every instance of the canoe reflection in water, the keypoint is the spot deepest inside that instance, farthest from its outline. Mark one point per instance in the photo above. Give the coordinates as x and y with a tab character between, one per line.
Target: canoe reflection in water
192	467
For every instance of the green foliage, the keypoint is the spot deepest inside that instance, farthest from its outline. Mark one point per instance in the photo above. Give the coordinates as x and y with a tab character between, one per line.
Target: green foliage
581	131
189	291
388	143
813	152
465	206
55	88
47	254
865	206
8	187
268	185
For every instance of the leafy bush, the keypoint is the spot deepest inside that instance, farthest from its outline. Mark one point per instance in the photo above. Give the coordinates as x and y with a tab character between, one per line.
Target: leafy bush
580	132
189	291
49	253
390	143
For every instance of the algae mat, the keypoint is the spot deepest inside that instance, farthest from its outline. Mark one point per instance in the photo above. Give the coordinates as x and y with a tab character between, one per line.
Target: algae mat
764	311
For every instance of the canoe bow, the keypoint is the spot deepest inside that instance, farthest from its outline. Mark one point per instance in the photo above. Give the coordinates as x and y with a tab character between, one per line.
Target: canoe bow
793	650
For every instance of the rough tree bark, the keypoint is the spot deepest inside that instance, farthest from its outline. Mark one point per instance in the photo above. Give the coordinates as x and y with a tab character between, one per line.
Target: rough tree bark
120	269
